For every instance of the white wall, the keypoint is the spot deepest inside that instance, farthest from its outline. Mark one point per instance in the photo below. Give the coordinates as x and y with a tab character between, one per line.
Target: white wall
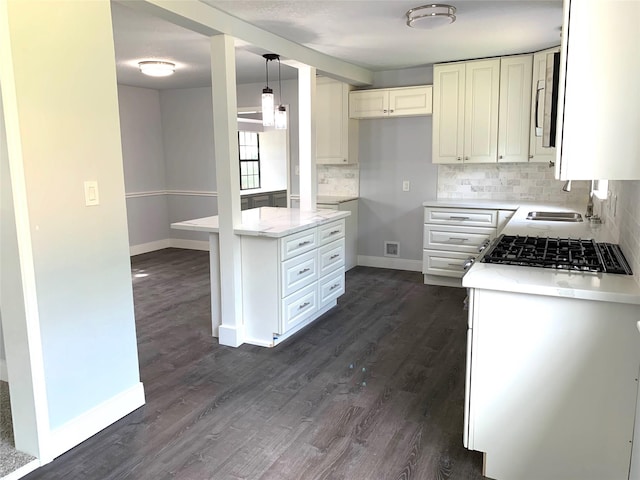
63	129
187	133
3	356
393	150
144	165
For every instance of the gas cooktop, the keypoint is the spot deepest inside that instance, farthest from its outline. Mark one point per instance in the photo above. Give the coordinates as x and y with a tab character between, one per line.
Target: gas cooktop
558	253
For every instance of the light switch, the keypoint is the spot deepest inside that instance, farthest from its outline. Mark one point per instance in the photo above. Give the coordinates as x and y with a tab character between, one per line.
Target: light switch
91	196
405	186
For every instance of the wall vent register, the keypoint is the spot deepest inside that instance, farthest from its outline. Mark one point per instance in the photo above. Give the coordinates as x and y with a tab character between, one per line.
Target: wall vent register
559	253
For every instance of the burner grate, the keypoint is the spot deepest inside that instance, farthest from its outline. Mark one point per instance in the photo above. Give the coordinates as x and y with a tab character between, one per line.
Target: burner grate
558	253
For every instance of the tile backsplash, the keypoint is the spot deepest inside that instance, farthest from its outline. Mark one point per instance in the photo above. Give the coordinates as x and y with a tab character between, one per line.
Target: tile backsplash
518	182
341	180
621	215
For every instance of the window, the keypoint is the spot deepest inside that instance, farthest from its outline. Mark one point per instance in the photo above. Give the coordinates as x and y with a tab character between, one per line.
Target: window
249	148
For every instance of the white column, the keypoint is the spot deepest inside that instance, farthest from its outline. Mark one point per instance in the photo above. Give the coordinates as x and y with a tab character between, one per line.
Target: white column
307	136
225	127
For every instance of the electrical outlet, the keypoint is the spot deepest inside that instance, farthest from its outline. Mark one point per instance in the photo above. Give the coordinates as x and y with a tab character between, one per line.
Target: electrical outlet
406	185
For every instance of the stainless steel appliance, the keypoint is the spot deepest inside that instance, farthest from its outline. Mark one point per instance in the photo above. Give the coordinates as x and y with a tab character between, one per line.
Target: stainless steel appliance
558	253
550	116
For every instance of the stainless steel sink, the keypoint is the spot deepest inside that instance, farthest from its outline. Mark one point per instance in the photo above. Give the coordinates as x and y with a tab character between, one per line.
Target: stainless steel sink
555	216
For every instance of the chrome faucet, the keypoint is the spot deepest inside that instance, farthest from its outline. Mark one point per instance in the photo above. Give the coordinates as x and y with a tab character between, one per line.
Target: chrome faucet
589	212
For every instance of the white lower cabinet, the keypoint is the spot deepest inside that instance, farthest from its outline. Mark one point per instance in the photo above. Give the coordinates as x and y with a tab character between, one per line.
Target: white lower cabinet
453	238
288	282
551	386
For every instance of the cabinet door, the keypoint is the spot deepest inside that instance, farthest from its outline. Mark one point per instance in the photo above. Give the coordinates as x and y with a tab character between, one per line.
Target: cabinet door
368	103
410	101
599	138
332	129
538	153
482	82
448	113
514	108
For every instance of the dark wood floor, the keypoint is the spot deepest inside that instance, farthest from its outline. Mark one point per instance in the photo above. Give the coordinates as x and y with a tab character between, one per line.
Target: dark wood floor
373	390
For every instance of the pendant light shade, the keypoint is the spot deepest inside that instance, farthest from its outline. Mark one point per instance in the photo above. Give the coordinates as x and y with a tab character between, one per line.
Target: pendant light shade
267	107
281	118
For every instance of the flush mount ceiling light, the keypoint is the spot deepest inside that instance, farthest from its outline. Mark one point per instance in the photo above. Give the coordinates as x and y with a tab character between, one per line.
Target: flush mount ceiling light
431	16
157	68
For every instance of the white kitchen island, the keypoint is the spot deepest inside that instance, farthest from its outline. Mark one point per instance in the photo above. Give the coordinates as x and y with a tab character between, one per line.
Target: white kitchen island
292	268
552	365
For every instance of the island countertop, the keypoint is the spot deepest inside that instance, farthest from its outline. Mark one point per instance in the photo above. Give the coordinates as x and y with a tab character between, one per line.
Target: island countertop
267	221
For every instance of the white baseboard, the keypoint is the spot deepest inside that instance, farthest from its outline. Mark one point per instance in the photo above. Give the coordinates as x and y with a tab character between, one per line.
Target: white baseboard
23	471
76	431
4	374
149	247
167	243
390	262
190	244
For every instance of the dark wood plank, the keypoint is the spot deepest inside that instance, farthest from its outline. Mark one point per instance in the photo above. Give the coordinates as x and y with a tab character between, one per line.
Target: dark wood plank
372	390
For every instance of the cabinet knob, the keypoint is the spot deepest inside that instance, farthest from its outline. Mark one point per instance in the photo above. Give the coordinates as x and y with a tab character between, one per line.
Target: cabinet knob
552	164
390	111
459	159
530	157
466	158
384	111
501	157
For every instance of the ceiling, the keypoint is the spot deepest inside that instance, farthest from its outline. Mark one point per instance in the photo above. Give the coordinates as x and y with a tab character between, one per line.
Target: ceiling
368	33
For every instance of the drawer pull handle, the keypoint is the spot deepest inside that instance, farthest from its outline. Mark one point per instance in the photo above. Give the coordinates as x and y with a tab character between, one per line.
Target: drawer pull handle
334	256
336	285
305	304
456	265
304	270
458	218
306	242
333	232
459	239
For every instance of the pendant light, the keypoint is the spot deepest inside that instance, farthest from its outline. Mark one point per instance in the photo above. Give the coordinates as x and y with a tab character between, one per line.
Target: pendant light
267	94
281	111
272	115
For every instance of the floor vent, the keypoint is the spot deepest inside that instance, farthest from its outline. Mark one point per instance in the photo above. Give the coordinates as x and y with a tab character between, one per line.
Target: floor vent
391	249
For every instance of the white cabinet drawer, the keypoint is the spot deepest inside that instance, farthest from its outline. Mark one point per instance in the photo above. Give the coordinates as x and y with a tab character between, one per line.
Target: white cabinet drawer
330	232
298	243
456	216
456	239
330	257
448	264
298	307
299	272
331	287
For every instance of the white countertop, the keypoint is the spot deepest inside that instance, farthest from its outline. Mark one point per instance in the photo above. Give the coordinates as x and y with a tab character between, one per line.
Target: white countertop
333	199
543	281
267	221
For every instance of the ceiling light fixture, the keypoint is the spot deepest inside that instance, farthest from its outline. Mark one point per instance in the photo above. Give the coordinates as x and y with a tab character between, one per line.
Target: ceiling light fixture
431	16
270	114
157	68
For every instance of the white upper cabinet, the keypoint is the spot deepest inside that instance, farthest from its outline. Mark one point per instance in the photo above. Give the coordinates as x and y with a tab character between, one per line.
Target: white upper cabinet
514	108
482	82
538	152
448	113
465	110
600	68
336	133
391	102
